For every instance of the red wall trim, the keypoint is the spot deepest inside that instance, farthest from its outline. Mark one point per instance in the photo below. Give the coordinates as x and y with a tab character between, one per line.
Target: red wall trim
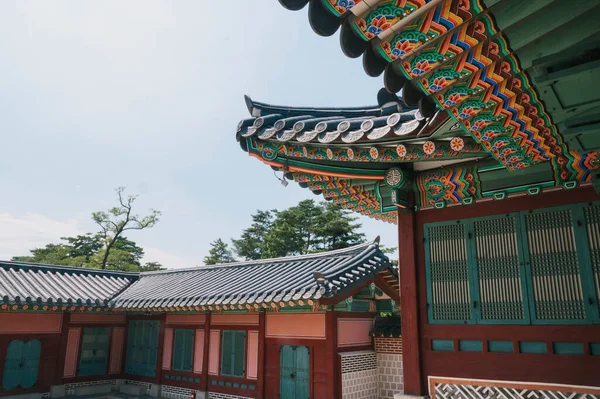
30	323
547	368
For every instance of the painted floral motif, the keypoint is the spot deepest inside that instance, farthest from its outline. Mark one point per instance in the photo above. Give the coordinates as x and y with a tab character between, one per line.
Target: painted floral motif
429	147
378	25
457	144
452	100
374	153
438	84
350	153
329	153
401	150
420	68
341	6
401	48
467	112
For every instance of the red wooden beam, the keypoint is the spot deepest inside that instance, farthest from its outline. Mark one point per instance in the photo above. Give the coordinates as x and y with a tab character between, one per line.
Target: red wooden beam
385	287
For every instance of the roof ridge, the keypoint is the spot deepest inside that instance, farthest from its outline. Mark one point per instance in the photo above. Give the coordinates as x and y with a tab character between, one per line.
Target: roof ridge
66	269
269	260
251	104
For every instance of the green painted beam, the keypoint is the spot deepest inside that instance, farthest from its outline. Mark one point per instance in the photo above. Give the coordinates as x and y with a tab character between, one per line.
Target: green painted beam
499	179
511	12
545	21
559	40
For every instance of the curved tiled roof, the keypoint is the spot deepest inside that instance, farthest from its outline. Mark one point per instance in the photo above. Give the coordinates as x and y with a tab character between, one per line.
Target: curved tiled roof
240	284
345	153
35	284
350	125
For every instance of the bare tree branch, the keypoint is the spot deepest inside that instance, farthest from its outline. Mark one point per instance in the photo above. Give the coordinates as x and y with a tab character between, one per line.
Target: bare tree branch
119	219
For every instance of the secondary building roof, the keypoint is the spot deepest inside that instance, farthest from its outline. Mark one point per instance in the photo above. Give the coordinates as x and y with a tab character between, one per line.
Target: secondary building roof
289	281
29	284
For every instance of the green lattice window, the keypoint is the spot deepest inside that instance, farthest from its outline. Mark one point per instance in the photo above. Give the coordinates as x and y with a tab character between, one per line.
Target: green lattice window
449	273
554	263
540	267
94	351
183	349
500	270
21	364
233	353
592	218
142	347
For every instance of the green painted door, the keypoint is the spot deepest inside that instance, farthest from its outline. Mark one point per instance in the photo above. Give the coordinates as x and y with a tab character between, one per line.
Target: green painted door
21	364
94	351
294	372
142	347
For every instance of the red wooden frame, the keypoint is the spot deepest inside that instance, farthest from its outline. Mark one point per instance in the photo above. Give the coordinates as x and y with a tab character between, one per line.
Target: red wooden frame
548	368
82	325
182	384
159	353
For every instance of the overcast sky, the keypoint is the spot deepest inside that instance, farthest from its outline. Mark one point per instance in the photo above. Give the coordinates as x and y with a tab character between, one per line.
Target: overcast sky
147	94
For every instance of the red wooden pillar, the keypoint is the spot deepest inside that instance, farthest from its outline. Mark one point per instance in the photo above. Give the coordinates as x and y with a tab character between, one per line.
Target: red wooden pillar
330	354
262	358
409	304
207	321
61	350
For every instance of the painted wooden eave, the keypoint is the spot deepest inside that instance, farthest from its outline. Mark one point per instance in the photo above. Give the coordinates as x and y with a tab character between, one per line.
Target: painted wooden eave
491	64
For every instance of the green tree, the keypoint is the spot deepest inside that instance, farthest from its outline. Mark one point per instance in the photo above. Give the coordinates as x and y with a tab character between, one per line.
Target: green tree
218	253
390	251
336	228
304	228
87	251
151	267
108	249
52	254
84	246
251	245
119	219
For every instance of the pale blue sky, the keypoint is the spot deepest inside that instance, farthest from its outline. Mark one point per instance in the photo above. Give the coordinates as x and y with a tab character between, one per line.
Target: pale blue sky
147	95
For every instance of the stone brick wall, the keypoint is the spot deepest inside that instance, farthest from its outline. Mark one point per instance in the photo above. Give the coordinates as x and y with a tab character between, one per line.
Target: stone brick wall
390	379
389	373
388	345
215	395
359	375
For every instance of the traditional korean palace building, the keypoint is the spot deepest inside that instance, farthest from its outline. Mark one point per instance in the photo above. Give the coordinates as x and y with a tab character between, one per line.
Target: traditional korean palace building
294	327
483	148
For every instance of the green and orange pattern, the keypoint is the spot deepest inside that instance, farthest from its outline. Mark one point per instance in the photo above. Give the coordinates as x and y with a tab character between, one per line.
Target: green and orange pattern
448	186
457	55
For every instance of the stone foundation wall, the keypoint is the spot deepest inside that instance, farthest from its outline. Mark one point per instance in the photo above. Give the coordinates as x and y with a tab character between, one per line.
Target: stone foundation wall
216	395
390	379
171	392
359	375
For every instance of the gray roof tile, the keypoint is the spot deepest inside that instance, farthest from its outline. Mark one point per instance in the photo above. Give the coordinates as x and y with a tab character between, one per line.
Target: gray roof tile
29	283
257	282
